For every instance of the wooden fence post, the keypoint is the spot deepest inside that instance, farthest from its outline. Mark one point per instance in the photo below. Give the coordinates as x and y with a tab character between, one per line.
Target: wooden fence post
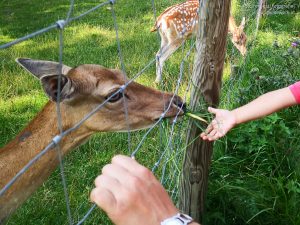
207	77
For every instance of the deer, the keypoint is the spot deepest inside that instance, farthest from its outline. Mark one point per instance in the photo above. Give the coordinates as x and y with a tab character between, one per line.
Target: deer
82	89
178	22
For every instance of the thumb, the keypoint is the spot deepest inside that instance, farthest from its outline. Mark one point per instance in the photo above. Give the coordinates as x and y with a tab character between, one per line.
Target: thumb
103	198
212	110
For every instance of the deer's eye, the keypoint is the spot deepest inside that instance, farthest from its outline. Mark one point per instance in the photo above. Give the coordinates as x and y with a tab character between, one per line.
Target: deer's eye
114	97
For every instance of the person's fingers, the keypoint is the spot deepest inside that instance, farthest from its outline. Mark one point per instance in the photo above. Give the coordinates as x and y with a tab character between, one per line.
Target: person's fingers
104	198
212	133
209	128
213	138
117	172
217	136
127	162
203	135
128	178
132	166
107	182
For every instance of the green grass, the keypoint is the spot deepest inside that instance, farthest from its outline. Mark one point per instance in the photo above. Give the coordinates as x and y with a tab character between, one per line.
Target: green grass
255	173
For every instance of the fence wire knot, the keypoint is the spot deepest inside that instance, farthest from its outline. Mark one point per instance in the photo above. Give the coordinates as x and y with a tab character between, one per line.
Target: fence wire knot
174	120
122	88
57	139
61	24
163	115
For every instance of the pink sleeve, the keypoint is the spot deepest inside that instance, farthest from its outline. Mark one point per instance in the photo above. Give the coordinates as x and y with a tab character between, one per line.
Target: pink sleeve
295	89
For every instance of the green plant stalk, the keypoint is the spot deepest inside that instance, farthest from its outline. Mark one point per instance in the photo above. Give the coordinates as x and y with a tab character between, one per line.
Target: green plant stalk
194	116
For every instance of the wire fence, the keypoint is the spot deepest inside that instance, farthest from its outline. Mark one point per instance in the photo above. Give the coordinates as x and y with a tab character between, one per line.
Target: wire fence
172	153
166	154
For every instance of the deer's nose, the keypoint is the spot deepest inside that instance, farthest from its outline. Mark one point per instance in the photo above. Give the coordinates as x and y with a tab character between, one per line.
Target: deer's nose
179	103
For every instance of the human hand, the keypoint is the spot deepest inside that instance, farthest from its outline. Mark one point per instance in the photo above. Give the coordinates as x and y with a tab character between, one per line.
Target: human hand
220	125
130	194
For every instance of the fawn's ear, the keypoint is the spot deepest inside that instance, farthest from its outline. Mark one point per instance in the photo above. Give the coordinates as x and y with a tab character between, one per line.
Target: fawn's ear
48	73
242	25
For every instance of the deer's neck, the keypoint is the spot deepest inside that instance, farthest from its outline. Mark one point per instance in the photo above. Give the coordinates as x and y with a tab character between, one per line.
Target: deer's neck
32	140
231	25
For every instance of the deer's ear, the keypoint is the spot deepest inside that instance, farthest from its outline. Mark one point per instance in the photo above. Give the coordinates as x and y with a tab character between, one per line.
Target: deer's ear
242	25
47	72
119	72
40	68
50	85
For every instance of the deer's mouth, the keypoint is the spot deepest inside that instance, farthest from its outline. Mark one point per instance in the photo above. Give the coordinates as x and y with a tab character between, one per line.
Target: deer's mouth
175	112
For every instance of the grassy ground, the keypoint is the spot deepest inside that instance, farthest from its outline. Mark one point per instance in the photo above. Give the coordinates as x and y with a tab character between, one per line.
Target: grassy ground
90	40
255	174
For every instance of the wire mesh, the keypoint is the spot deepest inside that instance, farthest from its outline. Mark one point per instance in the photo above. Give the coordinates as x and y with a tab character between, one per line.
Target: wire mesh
55	143
170	156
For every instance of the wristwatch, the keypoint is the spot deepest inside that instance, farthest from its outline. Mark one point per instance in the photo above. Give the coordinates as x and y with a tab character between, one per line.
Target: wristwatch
178	219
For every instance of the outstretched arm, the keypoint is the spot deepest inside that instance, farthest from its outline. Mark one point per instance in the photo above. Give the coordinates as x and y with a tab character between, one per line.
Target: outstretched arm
260	107
131	195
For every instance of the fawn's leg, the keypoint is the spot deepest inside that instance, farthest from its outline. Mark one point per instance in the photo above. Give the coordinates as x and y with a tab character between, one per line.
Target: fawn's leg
164	53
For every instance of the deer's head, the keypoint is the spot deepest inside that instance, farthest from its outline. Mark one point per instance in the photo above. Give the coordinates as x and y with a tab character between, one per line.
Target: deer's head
85	87
239	38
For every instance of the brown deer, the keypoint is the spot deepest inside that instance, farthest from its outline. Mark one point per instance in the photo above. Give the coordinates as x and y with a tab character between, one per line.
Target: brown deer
179	22
83	88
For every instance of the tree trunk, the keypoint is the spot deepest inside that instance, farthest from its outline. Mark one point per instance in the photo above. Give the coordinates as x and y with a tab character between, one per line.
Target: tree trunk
207	77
